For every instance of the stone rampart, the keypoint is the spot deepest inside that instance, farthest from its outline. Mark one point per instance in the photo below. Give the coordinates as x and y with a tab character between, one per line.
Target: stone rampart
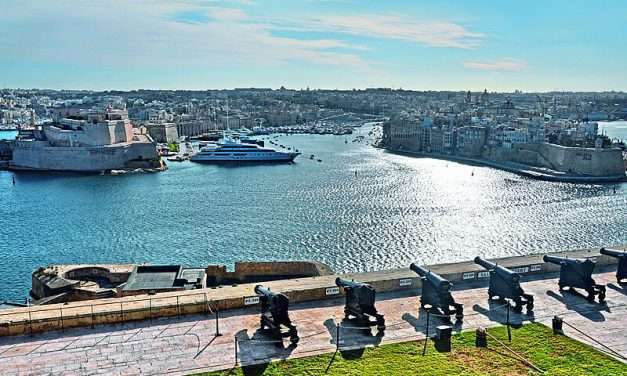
106	311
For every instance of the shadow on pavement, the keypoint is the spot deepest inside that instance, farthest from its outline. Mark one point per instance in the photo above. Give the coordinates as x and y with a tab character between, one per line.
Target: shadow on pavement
574	301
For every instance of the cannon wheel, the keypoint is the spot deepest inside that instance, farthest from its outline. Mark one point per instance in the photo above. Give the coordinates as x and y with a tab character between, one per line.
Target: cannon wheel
490	295
346	313
602	294
518	305
591	294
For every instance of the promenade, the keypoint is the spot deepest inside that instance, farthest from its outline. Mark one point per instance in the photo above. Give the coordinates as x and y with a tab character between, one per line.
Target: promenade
188	344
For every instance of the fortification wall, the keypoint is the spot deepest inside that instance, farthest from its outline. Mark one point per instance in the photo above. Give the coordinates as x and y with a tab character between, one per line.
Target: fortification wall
571	160
107	311
36	155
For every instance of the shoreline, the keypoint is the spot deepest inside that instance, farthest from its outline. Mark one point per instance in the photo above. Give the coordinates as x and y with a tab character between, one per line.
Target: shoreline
518	169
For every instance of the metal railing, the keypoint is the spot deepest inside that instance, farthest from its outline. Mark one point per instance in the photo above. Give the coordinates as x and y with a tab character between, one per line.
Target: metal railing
123	308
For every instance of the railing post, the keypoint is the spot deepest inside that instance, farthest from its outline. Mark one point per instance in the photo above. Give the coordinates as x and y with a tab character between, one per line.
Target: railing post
92	315
337	337
424	349
218	334
150	309
235	350
509	331
61	310
121	313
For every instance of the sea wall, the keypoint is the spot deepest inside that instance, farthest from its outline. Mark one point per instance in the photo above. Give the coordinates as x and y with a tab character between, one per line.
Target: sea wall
37	155
570	160
106	311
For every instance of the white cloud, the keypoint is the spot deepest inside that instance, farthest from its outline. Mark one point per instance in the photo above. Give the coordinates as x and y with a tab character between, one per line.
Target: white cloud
427	32
505	64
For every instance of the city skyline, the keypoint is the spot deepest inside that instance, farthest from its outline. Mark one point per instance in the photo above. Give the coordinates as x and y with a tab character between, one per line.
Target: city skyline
196	45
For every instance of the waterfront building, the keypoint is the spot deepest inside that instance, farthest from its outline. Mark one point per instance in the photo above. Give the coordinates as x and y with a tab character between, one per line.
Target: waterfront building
471	140
163	132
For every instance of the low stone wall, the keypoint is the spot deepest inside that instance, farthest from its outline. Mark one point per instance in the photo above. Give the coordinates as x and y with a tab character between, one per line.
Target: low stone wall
107	311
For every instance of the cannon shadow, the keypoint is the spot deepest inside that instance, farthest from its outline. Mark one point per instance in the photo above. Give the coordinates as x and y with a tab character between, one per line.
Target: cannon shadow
497	312
260	349
353	338
621	288
420	323
574	301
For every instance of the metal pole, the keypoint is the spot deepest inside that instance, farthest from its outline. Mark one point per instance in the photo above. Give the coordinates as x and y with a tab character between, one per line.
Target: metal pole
235	350
61	310
178	308
509	331
424	349
92	316
337	337
122	313
218	334
150	305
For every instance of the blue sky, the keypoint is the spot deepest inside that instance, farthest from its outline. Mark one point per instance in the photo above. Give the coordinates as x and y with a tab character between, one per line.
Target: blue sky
200	44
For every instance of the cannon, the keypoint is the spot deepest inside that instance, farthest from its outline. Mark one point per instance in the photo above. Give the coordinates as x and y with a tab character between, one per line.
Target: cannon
621	271
274	313
577	273
360	303
505	284
436	293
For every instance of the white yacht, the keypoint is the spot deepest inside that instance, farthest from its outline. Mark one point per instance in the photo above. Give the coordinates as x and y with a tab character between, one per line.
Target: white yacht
230	151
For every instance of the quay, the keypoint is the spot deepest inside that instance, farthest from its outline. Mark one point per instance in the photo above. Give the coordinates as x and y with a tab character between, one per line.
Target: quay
176	332
528	171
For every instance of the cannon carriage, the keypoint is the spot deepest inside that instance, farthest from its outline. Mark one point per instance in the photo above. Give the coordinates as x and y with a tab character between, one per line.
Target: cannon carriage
505	284
359	305
577	273
436	293
621	269
274	314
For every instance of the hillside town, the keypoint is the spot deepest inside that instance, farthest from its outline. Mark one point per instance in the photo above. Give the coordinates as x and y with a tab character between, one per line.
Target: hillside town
551	134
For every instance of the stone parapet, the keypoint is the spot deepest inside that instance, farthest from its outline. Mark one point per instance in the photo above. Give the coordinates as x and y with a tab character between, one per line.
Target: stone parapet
38	319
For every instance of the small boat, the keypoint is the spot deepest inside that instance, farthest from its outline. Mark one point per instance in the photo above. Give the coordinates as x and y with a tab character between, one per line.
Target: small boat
319	160
177	158
311	156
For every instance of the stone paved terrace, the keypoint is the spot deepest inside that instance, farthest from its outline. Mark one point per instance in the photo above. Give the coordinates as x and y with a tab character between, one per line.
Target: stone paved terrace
188	344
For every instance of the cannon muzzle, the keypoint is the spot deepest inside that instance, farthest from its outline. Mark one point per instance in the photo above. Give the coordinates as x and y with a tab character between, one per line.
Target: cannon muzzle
554	259
613	252
432	277
484	263
341	282
418	269
260	290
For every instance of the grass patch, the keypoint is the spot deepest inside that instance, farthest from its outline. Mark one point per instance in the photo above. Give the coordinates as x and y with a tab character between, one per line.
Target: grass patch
557	355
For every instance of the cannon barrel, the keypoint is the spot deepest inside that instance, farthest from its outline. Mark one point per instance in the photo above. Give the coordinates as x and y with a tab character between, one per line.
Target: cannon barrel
485	263
434	278
341	282
418	269
260	290
554	259
613	252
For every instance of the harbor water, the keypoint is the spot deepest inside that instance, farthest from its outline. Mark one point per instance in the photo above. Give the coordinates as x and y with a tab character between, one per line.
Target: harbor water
358	209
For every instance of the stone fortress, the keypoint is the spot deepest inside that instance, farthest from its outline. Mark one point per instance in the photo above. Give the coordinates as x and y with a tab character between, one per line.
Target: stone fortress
85	141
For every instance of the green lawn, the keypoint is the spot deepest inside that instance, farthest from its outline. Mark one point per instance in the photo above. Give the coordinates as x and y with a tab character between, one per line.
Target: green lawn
557	355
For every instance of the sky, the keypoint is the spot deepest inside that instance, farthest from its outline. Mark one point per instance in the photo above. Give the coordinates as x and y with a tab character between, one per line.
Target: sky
528	45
